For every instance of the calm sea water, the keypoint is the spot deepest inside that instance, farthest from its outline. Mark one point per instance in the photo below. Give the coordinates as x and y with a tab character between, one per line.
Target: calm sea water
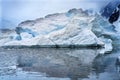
57	64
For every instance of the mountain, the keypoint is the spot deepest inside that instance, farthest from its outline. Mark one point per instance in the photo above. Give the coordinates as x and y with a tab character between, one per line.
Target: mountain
111	12
109	8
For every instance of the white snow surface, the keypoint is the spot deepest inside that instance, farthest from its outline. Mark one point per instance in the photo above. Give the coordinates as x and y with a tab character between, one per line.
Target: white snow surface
75	27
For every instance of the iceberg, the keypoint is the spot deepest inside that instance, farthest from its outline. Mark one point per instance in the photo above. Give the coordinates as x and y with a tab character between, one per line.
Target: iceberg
73	28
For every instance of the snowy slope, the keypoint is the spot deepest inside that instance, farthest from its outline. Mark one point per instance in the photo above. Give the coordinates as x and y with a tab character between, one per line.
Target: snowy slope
109	8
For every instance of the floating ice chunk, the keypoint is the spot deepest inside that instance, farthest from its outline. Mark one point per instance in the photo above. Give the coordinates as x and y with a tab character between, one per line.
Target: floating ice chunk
108	45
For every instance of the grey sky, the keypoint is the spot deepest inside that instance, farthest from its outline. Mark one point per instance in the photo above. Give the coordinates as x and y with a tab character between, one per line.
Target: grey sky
20	10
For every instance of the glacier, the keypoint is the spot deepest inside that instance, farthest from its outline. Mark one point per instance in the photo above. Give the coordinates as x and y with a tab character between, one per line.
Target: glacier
73	28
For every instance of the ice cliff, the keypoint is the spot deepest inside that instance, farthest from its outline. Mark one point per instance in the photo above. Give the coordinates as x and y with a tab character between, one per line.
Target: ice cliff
73	28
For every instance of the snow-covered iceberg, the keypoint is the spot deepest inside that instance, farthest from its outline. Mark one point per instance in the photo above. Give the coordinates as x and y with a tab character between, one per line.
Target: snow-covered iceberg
73	28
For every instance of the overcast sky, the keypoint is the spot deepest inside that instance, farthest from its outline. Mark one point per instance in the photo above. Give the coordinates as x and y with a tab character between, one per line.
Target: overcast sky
20	10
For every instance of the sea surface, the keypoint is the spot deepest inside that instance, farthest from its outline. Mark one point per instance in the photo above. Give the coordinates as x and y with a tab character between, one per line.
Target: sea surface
58	64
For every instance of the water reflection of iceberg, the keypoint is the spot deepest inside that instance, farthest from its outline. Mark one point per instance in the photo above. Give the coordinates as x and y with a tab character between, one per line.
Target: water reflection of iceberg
58	62
62	62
